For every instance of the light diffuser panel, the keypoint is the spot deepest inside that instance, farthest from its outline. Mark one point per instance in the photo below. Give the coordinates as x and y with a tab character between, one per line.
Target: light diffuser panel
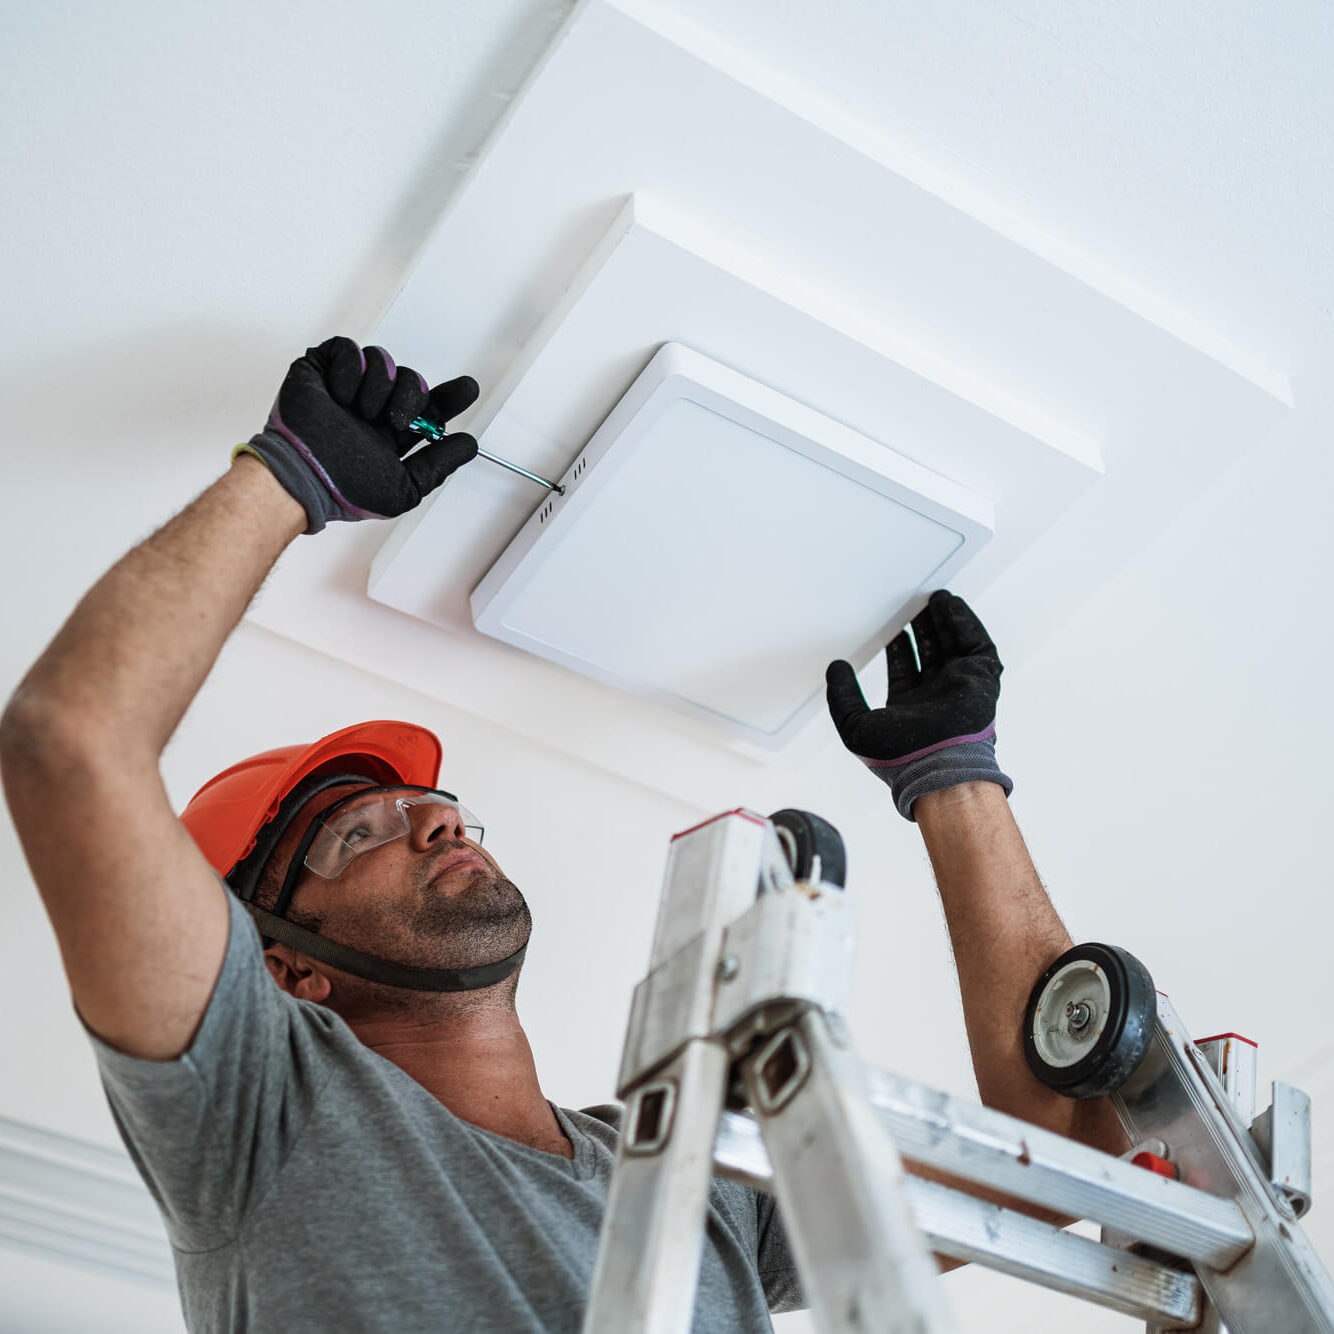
719	543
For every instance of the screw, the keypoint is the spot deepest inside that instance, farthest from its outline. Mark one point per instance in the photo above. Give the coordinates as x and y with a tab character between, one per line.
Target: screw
728	967
1078	1013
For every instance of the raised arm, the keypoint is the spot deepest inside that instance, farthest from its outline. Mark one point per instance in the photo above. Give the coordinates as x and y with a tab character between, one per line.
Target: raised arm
1004	932
139	916
934	744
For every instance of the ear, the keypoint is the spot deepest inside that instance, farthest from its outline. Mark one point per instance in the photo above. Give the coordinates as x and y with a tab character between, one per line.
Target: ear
297	974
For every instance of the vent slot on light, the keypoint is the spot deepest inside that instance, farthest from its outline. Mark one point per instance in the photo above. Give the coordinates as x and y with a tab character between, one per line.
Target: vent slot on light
724	545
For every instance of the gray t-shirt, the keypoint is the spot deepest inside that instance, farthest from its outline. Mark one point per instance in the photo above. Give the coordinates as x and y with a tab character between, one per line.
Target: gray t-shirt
309	1184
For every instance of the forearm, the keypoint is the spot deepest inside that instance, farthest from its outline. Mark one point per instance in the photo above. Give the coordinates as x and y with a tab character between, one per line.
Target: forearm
123	669
1004	932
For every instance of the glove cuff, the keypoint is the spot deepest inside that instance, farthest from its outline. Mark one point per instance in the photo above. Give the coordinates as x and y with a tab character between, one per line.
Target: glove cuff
969	760
295	476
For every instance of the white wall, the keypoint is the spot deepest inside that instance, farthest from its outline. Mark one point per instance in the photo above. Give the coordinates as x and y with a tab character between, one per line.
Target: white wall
1174	739
1169	754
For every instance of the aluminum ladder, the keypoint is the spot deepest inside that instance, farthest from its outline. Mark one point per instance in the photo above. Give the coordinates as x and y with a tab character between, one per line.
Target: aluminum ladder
737	1062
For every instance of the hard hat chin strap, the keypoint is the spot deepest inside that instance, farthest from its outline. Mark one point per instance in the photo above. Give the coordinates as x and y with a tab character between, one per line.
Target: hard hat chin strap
245	876
383	970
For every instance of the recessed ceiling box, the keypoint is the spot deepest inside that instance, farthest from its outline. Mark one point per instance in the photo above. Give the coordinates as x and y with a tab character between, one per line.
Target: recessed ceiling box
718	543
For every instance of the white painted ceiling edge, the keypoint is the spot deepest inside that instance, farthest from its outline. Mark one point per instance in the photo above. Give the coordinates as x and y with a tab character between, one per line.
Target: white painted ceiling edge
1171	402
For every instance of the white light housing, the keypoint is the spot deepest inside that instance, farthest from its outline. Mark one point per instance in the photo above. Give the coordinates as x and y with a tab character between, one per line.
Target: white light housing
719	543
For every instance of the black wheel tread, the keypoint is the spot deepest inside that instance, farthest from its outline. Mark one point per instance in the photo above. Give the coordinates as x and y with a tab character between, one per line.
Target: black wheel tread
814	837
1126	1037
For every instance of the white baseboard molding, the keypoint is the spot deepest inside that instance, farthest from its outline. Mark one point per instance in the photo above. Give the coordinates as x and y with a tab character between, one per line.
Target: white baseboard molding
64	1198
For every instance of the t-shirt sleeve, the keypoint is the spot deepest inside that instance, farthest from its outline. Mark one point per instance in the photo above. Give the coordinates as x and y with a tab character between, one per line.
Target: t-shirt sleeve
775	1263
210	1130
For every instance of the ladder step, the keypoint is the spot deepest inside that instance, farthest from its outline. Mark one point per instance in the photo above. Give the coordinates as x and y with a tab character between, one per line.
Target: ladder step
1039	1166
970	1229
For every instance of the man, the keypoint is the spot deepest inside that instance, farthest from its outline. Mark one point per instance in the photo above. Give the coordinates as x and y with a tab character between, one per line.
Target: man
365	1144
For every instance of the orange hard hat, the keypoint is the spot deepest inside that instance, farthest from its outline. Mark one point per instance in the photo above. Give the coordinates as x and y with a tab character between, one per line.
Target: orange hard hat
226	815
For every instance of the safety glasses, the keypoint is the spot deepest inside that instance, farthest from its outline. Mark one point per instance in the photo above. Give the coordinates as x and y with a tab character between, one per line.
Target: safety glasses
370	819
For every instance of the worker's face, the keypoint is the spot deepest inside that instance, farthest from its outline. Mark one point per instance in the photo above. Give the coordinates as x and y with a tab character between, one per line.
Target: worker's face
431	899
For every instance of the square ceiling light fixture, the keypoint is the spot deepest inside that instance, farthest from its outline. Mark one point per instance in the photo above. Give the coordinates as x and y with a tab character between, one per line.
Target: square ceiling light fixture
718	543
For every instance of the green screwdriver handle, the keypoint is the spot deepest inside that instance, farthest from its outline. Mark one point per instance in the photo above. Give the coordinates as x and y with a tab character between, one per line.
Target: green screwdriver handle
435	431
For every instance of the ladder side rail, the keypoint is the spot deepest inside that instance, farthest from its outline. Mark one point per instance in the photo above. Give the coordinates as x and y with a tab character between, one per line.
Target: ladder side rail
647	1268
1041	1167
712	877
966	1228
1280	1285
673	1079
863	1262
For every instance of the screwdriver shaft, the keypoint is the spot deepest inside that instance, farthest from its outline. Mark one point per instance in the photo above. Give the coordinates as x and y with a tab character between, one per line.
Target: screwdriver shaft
436	432
523	472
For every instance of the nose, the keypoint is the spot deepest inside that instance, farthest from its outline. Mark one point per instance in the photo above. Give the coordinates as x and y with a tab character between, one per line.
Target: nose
432	823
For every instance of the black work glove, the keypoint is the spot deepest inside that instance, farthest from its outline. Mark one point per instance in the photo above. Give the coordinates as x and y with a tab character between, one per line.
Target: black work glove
339	432
938	726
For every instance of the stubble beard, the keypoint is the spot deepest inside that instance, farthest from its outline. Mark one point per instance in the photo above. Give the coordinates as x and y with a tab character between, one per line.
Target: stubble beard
480	921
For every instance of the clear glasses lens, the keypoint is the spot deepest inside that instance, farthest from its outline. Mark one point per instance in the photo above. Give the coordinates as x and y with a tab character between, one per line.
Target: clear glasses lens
368	824
472	826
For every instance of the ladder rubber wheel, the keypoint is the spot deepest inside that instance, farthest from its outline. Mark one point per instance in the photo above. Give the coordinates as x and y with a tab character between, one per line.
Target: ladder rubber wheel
804	837
1089	1021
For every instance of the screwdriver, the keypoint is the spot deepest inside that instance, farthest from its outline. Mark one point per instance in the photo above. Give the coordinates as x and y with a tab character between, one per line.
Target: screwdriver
435	431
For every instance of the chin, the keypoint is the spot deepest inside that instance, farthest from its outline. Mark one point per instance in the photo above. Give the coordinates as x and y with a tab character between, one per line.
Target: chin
468	878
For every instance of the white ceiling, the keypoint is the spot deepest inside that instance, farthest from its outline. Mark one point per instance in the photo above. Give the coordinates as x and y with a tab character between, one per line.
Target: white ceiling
1001	347
194	192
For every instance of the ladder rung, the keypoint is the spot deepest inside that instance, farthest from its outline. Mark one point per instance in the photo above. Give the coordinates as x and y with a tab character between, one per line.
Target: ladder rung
967	1228
1044	1168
